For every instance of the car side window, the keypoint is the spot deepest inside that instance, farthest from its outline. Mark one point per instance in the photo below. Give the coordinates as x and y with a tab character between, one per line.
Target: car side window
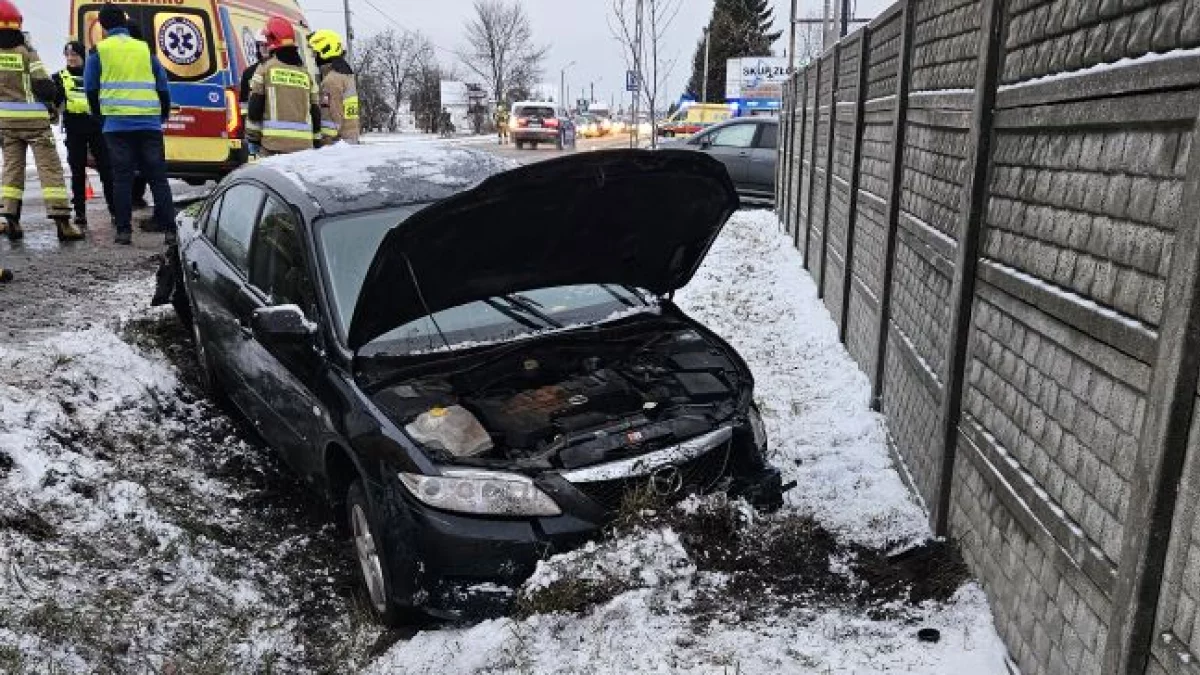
277	265
235	223
769	138
734	136
209	226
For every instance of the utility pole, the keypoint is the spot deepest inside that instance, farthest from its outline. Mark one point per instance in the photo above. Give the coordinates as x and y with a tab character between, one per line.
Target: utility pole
592	94
791	40
846	13
637	73
349	30
704	82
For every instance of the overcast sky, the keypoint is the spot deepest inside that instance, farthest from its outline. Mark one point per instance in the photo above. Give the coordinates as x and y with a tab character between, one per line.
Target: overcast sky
575	30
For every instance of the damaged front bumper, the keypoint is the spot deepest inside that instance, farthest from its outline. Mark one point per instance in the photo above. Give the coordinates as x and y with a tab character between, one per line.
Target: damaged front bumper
464	566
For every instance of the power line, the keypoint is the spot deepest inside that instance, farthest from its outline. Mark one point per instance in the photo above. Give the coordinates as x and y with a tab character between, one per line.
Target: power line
408	31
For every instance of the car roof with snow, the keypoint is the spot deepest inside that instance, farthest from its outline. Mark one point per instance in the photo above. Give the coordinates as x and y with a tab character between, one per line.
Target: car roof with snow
344	178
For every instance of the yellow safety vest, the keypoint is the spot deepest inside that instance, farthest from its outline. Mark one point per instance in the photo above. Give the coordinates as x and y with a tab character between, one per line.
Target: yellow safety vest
16	96
288	91
127	85
77	103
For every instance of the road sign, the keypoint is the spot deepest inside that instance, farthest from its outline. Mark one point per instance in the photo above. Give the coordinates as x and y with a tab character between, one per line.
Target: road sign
631	81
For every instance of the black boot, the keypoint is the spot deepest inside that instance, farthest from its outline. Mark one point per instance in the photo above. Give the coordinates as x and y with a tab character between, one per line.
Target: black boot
80	221
5	275
11	227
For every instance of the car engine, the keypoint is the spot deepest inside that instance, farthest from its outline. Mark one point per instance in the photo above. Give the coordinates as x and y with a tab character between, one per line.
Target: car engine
578	403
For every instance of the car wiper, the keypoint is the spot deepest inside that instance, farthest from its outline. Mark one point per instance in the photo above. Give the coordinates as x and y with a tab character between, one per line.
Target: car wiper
530	307
514	315
620	298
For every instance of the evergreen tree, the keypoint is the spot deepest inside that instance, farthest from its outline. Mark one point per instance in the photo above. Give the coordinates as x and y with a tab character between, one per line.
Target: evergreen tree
737	28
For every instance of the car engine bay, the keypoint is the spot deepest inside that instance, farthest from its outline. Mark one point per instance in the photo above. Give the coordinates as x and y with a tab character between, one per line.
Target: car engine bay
570	403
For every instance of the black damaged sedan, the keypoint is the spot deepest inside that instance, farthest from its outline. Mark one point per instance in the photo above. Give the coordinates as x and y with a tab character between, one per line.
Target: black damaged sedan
477	364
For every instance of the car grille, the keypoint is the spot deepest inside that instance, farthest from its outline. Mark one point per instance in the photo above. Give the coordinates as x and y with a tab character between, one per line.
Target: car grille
698	475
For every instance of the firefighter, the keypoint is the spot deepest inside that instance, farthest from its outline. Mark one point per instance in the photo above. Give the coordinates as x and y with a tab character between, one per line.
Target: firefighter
127	86
262	53
502	123
82	132
284	114
26	97
339	91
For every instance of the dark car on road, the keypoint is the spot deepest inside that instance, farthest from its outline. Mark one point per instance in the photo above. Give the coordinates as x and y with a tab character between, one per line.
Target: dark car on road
478	365
747	146
535	122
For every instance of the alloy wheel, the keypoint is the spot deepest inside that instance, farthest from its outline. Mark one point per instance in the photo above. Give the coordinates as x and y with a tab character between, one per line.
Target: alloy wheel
368	558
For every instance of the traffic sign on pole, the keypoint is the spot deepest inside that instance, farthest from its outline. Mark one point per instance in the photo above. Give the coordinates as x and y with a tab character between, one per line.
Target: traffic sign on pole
631	80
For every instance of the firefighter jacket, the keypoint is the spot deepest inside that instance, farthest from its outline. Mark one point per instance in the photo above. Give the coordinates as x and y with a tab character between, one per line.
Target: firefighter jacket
25	89
339	103
283	114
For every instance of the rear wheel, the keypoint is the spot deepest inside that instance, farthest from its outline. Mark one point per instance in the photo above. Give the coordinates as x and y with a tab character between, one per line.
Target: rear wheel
520	145
533	144
206	373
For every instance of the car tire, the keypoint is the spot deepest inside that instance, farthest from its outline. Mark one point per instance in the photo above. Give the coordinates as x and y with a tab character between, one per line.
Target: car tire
558	145
520	145
370	554
533	145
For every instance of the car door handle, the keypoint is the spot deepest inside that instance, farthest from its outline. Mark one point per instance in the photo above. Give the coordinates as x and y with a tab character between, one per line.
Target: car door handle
743	153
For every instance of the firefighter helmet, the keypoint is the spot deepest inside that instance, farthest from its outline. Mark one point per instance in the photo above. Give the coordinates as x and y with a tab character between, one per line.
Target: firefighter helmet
280	32
326	44
10	16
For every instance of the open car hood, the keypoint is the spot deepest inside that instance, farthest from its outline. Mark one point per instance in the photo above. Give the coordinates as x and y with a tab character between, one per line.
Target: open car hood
634	217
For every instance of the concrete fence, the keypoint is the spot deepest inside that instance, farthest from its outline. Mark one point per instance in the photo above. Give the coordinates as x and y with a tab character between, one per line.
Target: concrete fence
998	202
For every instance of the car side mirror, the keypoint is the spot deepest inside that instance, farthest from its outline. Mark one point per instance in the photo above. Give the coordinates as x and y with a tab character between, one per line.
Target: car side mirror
281	323
705	143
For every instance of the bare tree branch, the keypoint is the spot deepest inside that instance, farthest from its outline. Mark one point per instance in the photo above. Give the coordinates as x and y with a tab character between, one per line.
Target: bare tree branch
500	48
645	59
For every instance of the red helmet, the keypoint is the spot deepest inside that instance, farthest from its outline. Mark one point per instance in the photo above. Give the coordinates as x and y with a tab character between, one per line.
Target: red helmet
10	16
279	30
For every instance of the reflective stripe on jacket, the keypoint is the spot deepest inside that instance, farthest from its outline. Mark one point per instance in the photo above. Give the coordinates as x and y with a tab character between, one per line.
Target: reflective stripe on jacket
339	106
18	107
127	85
77	103
290	93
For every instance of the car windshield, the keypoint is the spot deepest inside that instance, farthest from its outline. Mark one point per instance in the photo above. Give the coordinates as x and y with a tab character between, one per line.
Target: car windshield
348	245
516	315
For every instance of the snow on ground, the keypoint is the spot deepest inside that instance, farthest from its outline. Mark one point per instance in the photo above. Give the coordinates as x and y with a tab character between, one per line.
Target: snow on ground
138	533
649	607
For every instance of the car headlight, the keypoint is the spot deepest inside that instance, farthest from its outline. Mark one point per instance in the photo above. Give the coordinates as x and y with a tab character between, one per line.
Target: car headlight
492	493
757	428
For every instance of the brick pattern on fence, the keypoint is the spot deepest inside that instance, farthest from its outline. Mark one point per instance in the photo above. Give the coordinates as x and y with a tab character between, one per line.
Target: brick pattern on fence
1053	623
883	58
946	44
1089	211
913	412
919	305
935	167
1064	35
1071	425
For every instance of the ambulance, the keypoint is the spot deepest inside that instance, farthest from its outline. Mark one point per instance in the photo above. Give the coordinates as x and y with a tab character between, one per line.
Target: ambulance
204	45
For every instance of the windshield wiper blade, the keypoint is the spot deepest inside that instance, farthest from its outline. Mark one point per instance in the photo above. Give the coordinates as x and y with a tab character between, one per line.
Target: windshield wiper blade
619	298
528	306
512	314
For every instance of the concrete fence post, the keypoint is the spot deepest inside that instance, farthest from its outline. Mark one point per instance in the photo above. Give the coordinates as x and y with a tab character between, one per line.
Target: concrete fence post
812	161
802	101
892	212
789	170
1162	447
971	219
855	160
829	142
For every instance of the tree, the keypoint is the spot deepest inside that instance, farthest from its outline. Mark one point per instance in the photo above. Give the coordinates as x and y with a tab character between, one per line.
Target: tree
395	59
500	48
642	52
736	28
373	109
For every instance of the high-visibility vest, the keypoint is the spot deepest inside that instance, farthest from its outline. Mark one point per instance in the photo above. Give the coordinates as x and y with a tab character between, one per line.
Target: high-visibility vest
77	103
16	96
127	85
289	93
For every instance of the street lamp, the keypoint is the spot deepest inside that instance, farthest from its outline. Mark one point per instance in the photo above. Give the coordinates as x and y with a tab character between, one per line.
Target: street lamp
704	82
562	86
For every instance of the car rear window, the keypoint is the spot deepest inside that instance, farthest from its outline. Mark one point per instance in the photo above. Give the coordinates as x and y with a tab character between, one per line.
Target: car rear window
535	111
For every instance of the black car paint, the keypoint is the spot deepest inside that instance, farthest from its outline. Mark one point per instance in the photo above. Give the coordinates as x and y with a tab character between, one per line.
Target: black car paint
304	399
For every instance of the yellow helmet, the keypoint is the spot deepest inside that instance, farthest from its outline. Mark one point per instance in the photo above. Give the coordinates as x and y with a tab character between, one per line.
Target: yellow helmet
326	44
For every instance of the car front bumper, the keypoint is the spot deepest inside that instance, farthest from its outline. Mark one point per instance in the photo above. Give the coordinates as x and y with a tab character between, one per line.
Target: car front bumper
468	566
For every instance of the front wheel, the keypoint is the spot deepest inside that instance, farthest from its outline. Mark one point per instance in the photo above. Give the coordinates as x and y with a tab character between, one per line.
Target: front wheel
369	551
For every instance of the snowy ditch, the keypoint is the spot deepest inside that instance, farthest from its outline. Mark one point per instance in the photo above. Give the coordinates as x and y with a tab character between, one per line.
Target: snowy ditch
141	530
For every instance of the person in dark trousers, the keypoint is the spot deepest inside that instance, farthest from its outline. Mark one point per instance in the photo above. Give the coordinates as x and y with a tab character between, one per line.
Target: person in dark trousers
139	181
127	86
82	132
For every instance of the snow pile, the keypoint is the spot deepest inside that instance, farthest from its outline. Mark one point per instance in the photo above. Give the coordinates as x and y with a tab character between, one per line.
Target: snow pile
753	291
673	596
125	543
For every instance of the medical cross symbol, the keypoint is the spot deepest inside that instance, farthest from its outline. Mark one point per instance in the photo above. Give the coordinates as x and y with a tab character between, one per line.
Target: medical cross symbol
180	41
